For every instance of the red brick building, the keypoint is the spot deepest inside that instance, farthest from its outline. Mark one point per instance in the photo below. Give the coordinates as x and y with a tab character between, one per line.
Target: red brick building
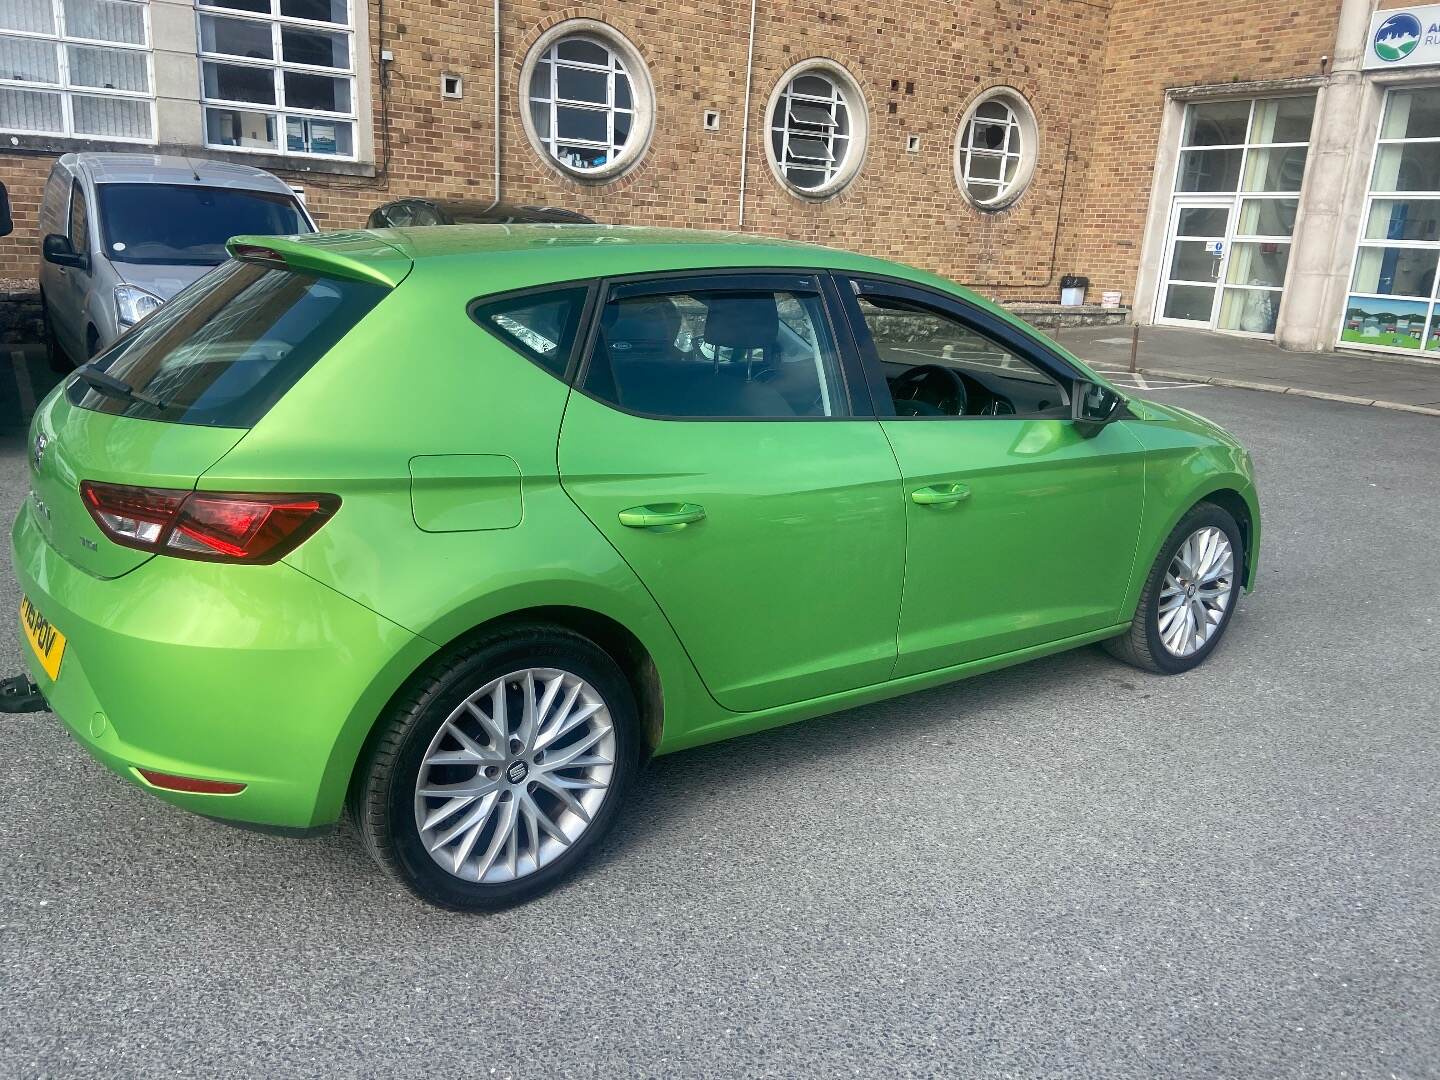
1208	160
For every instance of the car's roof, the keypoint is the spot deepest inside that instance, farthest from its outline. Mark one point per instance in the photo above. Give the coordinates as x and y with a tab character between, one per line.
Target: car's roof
173	169
488	212
487	259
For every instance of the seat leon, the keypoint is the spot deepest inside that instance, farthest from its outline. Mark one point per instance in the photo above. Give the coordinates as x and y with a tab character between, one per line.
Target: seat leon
454	528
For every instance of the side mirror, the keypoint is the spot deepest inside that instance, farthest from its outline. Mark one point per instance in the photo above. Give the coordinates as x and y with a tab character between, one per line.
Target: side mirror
1092	406
57	249
7	223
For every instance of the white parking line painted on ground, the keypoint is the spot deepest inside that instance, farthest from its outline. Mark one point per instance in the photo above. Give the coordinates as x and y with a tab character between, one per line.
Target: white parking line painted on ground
22	383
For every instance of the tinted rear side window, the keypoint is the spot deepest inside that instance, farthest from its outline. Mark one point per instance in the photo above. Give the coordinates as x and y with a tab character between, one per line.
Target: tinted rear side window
539	325
226	349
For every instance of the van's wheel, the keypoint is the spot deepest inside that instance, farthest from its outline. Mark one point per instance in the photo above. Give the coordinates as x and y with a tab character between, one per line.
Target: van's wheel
503	769
1189	597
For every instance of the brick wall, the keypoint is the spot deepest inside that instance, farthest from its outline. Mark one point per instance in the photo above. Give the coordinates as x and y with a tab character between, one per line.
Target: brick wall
919	65
1158	44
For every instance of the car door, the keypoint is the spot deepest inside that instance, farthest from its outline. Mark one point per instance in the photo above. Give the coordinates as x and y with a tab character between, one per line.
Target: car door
1021	530
718	441
69	315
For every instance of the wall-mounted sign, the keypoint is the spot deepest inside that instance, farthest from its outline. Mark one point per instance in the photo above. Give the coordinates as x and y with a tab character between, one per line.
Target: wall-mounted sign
1404	37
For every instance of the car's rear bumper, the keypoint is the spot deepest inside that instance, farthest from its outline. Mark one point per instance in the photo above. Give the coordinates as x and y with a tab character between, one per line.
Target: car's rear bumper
257	675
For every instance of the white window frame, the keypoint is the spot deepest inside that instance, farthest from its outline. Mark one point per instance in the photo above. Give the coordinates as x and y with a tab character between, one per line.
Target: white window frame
1432	302
278	67
1021	145
1236	197
625	58
843	161
66	92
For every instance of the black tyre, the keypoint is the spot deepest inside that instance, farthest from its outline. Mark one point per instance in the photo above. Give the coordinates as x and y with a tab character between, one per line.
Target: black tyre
498	774
1189	596
55	356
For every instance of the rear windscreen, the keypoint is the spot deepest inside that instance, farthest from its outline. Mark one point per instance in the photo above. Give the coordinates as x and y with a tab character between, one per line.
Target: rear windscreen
226	349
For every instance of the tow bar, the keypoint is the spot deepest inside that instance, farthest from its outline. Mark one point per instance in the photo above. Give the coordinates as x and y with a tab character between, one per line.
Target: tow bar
20	694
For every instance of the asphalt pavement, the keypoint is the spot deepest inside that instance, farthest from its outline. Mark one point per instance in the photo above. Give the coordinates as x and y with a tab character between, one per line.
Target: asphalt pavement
1069	868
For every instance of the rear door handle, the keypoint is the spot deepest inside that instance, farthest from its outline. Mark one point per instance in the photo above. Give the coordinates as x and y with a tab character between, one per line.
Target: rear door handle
662	515
940	495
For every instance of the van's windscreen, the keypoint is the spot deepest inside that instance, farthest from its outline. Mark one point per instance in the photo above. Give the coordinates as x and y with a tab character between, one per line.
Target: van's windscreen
180	224
228	347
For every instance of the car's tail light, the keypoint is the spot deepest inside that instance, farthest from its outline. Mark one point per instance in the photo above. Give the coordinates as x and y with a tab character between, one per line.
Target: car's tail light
210	526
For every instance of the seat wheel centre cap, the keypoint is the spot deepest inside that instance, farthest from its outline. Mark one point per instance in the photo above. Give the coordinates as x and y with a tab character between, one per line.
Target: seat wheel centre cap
517	772
1190	591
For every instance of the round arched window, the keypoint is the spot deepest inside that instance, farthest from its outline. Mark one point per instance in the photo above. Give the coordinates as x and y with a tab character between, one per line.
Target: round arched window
817	126
588	104
996	148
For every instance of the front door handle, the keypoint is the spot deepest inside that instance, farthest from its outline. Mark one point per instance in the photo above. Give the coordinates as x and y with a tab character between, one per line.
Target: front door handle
665	516
940	495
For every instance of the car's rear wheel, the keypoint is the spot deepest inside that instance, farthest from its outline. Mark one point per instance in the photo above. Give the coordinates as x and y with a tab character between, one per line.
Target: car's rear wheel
501	772
1189	596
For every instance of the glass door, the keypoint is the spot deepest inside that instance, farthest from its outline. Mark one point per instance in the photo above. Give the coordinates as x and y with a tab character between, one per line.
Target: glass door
1195	258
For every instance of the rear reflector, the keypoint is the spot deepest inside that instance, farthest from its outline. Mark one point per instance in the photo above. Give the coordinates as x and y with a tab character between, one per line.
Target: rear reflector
170	782
207	526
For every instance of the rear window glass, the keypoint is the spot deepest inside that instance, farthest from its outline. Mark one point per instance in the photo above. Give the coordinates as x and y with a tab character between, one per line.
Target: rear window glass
226	349
541	326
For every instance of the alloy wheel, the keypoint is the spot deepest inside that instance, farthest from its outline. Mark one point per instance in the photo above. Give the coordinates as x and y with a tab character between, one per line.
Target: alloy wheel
1196	592
515	775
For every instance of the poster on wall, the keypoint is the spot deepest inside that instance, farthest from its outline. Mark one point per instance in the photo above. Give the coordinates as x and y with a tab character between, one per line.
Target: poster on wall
1404	37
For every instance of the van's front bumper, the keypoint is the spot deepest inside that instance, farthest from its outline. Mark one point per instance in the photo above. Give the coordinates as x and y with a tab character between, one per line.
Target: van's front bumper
254	675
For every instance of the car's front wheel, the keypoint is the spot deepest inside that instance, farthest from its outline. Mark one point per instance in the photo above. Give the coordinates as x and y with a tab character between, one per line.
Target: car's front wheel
498	775
1189	596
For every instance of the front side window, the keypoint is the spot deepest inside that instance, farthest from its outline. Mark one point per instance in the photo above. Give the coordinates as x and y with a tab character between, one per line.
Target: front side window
161	223
817	129
996	150
936	364
588	107
77	68
278	76
227	348
541	326
79	220
718	353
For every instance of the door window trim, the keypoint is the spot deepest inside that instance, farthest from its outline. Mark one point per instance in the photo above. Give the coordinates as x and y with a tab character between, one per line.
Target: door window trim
851	286
852	388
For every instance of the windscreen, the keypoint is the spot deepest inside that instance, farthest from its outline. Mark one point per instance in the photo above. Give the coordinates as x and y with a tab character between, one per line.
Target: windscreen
177	224
226	349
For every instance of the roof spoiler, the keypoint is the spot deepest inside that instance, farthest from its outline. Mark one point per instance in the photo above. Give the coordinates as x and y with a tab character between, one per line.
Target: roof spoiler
358	256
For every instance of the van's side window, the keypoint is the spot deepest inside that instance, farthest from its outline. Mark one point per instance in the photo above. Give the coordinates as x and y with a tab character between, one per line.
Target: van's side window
79	220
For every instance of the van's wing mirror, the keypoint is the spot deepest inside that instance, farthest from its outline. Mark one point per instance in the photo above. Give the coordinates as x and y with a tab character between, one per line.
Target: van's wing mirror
7	223
1092	406
57	249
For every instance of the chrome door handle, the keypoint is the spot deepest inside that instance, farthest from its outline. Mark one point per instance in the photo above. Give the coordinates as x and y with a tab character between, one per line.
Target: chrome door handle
665	516
940	495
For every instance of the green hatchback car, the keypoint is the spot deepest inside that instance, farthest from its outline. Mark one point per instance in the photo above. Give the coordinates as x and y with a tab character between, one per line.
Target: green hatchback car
453	528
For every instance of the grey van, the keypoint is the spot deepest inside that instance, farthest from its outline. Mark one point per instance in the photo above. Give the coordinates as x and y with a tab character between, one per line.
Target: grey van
122	233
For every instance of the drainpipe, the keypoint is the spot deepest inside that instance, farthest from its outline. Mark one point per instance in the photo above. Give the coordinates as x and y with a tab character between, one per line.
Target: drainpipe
499	189
745	121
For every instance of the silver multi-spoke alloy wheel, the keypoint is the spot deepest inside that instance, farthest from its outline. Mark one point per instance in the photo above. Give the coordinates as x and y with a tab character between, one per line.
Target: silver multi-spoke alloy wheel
1196	591
515	775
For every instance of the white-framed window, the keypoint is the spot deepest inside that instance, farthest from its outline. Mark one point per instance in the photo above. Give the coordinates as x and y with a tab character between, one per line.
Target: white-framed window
1233	212
995	149
818	123
278	76
588	103
77	68
1393	302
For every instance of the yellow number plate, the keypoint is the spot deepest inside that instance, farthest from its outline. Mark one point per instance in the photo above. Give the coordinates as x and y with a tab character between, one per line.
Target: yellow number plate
48	642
